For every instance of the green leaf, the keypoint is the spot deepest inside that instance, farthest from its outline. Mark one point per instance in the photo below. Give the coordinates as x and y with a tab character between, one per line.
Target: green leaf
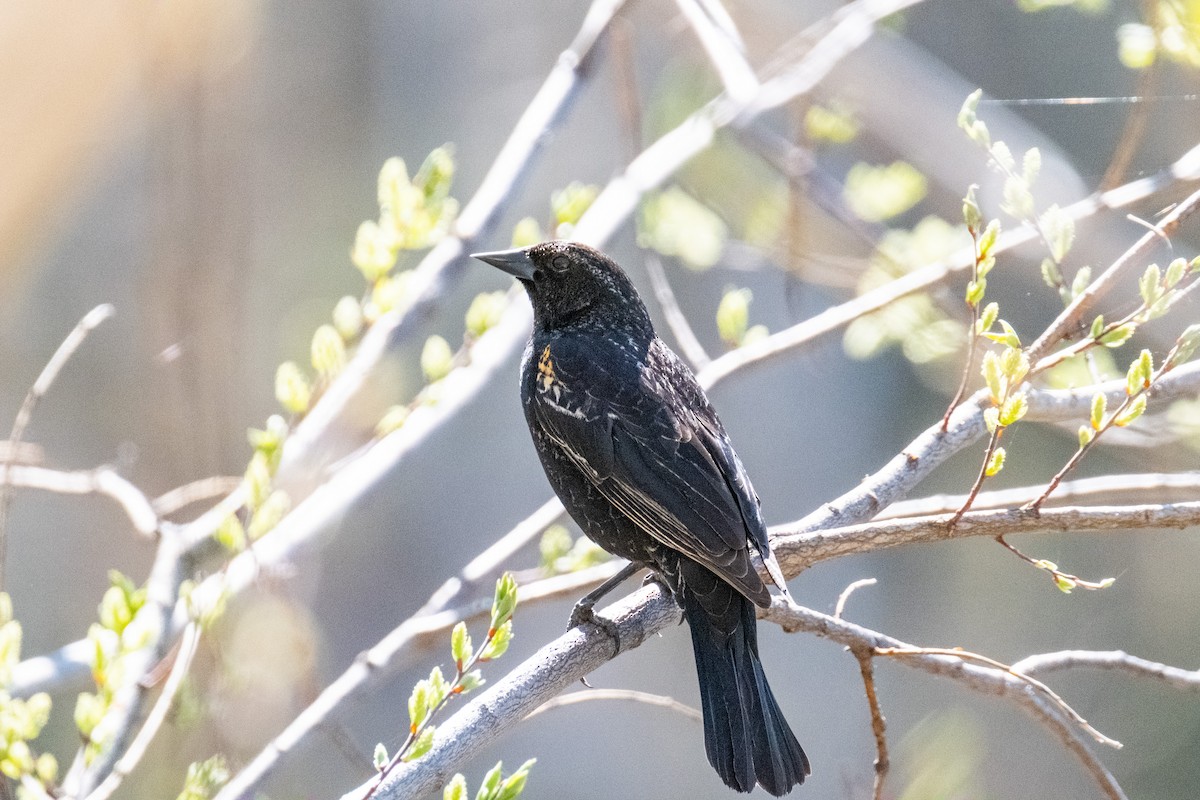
993	376
421	746
970	123
995	463
1003	157
1148	285
1135	409
231	535
437	359
1064	584
1175	272
1118	335
1051	274
1185	345
1097	326
878	193
374	251
1137	45
569	204
470	681
380	757
348	317
972	216
515	784
328	351
1017	200
418	705
460	645
505	600
1082	278
1014	409
1014	363
1099	404
823	124
393	419
527	233
498	642
485	312
1031	166
491	783
987	240
679	226
456	789
1008	337
1086	435
1059	230
268	514
291	388
988	318
733	316
991	418
975	290
438	687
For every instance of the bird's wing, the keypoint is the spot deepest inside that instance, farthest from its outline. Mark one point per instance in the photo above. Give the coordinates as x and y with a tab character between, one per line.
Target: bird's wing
651	444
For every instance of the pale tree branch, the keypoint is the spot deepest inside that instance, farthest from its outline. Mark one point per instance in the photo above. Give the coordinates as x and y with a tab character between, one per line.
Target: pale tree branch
1154	486
423	629
1176	678
800	548
189	643
41	385
102	480
629	695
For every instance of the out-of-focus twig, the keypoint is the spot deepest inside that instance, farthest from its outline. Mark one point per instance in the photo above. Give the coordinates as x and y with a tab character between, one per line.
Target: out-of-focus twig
40	386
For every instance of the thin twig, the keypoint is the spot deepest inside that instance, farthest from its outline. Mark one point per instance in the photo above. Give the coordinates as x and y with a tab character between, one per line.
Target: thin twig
102	480
588	695
849	590
866	667
40	386
1072	316
196	491
798	547
1152	484
1176	678
1050	694
685	337
188	645
382	659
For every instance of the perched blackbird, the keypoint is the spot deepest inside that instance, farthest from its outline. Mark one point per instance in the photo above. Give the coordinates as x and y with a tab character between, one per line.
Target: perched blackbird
637	455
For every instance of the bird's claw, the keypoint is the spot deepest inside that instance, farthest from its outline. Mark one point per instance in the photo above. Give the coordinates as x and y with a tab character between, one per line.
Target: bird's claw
583	614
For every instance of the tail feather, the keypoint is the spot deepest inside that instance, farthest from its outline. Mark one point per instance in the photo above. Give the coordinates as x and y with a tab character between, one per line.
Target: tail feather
746	738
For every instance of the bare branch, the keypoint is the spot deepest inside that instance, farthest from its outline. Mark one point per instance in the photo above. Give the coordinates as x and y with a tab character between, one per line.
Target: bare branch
40	386
1050	694
849	590
685	337
799	548
645	698
723	46
102	480
1156	485
197	491
866	667
1188	680
383	659
188	644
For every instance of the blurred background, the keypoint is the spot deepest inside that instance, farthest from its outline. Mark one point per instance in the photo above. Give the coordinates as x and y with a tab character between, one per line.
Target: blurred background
203	166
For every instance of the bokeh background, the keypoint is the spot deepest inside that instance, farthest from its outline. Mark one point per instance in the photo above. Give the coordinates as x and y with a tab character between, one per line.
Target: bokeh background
203	166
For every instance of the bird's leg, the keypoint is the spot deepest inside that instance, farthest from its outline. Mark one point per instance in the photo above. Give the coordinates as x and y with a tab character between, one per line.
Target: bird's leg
583	613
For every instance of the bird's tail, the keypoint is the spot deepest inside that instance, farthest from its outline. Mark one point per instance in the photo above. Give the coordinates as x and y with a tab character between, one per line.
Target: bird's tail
745	735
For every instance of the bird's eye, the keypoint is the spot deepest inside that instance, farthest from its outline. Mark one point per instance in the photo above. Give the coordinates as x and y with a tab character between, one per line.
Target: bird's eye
560	263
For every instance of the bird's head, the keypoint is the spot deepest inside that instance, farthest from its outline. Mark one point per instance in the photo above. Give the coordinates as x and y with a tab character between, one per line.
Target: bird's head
572	284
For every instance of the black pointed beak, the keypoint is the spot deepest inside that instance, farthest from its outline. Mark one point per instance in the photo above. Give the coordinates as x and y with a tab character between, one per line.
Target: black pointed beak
515	262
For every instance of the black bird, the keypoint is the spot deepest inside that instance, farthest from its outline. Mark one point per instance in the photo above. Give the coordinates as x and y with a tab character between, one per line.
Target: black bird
639	458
